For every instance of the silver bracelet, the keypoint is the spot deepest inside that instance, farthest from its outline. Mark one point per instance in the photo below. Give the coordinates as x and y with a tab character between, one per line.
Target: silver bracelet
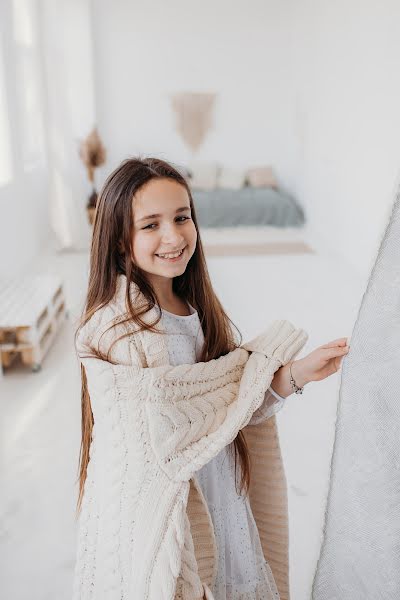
296	388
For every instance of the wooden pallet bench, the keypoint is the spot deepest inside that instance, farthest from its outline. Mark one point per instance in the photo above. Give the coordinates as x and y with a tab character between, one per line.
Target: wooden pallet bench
32	311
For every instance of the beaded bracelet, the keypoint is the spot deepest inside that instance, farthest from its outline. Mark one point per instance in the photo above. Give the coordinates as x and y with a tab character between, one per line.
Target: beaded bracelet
296	388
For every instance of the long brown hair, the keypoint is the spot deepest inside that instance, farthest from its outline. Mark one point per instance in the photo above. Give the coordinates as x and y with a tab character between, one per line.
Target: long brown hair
111	255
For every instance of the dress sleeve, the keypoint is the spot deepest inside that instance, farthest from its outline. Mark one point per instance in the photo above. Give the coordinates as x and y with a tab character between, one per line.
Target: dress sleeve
195	410
272	403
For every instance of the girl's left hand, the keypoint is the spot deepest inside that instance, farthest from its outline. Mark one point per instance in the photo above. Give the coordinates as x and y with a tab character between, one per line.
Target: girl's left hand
323	361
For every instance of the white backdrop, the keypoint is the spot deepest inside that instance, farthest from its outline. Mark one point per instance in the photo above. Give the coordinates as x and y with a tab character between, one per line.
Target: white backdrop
312	88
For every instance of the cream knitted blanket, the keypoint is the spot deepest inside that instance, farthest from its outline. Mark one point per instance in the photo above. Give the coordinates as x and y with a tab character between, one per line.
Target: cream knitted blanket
155	426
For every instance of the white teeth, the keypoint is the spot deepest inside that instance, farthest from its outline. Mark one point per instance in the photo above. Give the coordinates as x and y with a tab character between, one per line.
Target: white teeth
171	255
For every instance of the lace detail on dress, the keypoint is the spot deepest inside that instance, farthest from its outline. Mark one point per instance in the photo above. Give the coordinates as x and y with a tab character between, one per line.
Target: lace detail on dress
242	572
264	590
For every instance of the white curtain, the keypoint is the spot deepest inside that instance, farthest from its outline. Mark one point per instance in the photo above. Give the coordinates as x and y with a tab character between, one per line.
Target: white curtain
69	82
360	554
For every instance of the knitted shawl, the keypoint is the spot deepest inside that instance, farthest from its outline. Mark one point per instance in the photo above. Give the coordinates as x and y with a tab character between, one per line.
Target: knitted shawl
144	531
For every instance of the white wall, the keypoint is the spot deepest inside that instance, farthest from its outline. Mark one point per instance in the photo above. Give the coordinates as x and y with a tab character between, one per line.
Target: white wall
147	51
309	86
346	120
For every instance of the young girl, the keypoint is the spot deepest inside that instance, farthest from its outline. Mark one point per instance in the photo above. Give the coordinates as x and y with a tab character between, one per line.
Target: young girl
182	488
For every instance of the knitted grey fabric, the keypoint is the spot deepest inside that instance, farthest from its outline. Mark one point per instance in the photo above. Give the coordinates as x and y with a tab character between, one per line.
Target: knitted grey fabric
360	554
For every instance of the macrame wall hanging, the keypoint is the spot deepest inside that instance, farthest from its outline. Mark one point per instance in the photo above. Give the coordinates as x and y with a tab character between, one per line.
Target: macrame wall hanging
360	554
194	116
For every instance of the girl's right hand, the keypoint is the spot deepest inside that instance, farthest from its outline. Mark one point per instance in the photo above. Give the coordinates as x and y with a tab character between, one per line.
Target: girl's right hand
320	363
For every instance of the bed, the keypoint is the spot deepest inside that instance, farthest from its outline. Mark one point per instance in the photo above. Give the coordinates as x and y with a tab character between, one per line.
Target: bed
248	206
250	221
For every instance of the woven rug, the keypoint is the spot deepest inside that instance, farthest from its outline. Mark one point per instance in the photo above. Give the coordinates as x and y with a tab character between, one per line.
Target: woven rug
246	249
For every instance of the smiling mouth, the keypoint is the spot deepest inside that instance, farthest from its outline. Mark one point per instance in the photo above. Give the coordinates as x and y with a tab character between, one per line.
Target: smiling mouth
171	255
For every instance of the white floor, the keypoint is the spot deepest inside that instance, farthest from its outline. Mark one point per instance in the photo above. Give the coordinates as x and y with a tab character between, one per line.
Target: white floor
41	417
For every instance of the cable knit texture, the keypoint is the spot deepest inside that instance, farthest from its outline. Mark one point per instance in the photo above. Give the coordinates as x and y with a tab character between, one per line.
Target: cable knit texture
145	532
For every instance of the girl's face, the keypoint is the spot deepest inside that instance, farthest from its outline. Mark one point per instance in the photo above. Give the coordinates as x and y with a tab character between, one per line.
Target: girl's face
164	235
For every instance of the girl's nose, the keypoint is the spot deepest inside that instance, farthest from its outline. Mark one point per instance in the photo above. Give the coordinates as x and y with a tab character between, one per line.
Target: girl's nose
171	236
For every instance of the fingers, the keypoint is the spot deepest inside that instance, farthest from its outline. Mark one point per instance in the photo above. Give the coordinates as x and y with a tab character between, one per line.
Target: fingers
336	351
339	342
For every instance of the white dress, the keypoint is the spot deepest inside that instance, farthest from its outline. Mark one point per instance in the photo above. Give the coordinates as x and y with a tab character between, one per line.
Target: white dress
242	572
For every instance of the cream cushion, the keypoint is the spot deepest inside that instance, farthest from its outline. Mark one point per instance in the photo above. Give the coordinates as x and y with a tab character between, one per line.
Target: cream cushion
232	179
204	175
261	177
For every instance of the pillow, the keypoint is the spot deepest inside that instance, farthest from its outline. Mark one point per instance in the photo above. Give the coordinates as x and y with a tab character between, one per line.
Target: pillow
261	177
204	175
231	179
